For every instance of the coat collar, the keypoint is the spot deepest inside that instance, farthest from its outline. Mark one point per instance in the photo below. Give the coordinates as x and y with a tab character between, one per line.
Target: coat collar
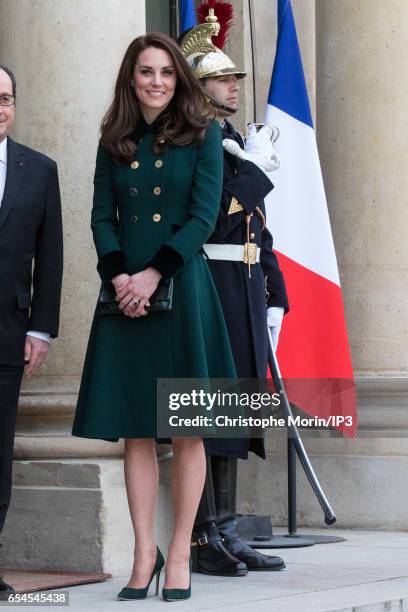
228	131
16	166
142	128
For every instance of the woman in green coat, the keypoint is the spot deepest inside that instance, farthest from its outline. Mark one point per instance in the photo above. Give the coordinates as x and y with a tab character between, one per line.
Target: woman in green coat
157	189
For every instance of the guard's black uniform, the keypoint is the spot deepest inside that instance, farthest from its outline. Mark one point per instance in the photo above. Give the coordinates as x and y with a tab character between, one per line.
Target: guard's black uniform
245	293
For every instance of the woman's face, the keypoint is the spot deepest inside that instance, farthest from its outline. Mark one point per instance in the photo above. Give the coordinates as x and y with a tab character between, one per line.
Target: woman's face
155	81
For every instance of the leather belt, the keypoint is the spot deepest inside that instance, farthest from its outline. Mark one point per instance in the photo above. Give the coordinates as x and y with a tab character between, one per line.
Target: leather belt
248	252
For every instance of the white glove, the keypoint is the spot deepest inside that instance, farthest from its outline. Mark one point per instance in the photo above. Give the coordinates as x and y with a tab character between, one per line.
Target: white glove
274	319
260	143
259	159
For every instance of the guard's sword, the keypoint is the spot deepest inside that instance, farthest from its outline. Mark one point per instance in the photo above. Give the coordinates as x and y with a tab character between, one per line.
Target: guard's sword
294	438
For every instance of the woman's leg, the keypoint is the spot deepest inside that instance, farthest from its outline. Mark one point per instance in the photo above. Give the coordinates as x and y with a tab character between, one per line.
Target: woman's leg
142	477
188	476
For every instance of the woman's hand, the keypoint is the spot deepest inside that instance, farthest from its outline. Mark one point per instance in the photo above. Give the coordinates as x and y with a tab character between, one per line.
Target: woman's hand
120	281
135	293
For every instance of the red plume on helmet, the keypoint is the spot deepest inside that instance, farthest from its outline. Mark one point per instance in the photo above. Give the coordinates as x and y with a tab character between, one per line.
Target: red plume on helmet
224	12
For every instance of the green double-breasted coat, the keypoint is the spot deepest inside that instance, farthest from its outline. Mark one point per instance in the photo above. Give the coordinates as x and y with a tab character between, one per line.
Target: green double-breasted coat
171	199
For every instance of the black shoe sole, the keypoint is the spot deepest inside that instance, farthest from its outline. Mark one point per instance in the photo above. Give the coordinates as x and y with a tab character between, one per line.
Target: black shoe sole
226	574
278	568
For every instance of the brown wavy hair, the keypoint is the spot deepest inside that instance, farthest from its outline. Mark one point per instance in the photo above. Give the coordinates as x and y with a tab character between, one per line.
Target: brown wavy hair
182	122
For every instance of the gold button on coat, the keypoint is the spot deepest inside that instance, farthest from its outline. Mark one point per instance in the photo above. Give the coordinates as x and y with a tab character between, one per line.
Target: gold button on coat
157	191
252	235
158	163
156	218
134	165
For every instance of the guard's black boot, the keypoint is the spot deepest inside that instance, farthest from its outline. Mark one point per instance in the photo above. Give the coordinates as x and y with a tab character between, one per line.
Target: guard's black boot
254	560
224	470
209	554
5	589
212	556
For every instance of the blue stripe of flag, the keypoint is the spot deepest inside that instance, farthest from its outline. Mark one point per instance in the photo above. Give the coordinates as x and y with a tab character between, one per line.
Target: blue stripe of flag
288	87
187	15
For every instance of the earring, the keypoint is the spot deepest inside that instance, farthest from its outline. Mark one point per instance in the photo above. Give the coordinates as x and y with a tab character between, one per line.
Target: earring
132	83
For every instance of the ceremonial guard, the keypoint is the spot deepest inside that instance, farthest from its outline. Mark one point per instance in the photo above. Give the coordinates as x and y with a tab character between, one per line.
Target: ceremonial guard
249	283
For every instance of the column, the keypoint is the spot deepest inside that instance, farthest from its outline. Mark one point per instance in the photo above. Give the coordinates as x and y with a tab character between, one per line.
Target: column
362	62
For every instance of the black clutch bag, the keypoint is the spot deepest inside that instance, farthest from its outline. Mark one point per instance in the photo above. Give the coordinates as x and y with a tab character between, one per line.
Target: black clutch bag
160	301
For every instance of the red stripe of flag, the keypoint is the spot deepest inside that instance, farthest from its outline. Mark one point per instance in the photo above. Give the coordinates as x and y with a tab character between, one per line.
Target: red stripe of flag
318	374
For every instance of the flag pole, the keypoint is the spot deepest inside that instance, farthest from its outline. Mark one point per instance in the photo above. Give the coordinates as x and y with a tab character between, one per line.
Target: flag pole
254	57
173	20
296	450
296	447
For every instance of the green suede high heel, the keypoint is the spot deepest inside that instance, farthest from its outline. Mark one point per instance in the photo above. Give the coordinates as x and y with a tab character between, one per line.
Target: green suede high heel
178	594
127	593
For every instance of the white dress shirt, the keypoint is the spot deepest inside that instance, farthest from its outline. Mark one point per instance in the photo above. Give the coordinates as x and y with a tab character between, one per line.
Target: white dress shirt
3	173
3	166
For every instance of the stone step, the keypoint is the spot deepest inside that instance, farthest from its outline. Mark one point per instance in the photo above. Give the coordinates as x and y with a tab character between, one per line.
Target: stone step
73	514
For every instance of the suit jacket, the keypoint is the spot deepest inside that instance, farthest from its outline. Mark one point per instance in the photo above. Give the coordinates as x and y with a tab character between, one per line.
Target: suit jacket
30	232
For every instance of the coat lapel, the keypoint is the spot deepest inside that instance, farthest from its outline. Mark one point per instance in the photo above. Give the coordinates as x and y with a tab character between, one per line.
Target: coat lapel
16	165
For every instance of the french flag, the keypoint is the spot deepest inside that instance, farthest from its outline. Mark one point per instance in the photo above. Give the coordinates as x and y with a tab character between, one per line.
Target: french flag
313	353
187	15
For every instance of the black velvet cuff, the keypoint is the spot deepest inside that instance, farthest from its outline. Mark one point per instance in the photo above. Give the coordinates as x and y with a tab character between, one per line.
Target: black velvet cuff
250	185
167	261
111	264
278	295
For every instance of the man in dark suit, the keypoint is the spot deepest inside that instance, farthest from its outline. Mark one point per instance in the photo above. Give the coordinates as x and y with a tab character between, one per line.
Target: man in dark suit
30	232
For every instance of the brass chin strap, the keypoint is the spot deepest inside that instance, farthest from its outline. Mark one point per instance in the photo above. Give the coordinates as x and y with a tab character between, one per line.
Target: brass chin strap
221	106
